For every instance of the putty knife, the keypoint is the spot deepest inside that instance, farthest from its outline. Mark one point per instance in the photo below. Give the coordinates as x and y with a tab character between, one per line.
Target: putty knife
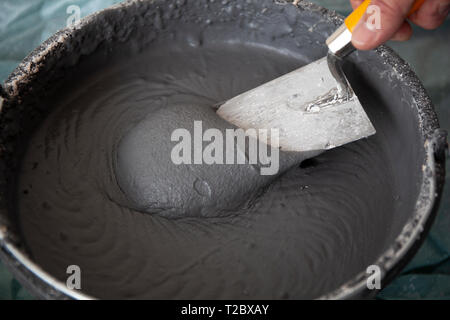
314	107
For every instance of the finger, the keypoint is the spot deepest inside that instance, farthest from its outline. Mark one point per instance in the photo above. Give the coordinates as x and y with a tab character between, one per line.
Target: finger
403	33
356	3
431	14
380	23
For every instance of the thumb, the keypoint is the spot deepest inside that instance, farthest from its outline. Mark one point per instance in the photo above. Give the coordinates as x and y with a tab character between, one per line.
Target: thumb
380	22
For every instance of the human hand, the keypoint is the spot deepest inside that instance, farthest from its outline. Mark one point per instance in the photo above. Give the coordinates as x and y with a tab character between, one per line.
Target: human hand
393	25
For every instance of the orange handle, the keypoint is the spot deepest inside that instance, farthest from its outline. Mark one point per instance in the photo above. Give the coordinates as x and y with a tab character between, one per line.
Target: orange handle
352	20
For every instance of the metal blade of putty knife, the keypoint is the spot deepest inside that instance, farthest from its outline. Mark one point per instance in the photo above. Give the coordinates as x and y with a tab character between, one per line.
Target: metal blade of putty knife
306	106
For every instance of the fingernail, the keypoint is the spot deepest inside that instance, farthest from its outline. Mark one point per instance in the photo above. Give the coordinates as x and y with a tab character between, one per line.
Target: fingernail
363	34
444	9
